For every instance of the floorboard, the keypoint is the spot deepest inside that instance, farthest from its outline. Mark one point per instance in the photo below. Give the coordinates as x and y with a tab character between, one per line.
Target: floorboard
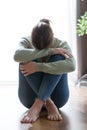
74	113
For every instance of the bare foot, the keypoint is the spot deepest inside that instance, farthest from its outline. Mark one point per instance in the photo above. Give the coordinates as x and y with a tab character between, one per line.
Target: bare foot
33	113
53	113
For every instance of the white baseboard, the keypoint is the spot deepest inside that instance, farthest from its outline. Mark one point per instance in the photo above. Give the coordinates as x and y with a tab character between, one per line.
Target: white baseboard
8	83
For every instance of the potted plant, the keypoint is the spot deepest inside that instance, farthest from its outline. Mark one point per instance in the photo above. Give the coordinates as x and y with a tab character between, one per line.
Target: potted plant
81	28
82	25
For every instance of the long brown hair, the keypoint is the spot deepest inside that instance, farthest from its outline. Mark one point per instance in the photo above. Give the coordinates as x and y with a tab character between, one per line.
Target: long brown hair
42	34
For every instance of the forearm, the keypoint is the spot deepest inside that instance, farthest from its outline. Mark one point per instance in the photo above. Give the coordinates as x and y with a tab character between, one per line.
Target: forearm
25	55
58	67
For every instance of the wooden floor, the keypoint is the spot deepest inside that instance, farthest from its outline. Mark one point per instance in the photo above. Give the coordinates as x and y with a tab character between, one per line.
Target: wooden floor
74	112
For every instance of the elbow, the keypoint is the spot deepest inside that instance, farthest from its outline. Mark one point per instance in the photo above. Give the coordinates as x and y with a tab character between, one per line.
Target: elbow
16	57
73	66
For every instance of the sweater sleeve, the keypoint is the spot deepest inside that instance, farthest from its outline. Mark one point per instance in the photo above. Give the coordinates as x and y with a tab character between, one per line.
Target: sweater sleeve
26	52
59	67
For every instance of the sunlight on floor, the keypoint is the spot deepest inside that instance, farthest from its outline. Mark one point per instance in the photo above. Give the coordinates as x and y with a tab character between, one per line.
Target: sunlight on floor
10	108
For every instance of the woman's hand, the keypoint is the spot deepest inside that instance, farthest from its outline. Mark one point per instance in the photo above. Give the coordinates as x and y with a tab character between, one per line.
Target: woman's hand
63	52
28	68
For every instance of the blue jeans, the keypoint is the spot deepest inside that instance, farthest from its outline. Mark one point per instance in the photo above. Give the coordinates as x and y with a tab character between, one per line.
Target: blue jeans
44	85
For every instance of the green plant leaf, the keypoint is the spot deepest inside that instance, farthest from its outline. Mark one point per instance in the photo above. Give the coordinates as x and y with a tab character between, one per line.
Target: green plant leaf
81	27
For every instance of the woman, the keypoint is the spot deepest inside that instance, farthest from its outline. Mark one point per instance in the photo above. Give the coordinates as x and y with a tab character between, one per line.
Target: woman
44	64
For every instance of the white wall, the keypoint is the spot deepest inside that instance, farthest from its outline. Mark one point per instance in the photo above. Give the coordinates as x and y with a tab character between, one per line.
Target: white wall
17	17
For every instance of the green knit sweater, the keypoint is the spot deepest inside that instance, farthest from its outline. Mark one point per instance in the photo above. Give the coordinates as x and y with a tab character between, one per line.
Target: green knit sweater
26	52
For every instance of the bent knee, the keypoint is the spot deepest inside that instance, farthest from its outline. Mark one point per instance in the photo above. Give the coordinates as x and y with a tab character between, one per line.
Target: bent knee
56	58
25	101
61	101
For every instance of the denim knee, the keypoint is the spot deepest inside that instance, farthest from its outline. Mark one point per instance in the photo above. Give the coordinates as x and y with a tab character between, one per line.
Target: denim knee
56	58
25	101
60	102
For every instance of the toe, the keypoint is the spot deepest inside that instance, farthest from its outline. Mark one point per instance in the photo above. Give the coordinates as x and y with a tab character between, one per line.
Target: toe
56	117
60	117
25	119
49	117
52	117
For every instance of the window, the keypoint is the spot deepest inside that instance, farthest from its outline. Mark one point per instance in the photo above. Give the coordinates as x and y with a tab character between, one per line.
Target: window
17	17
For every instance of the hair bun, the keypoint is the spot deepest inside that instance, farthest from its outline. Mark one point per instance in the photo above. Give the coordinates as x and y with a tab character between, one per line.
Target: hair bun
46	21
